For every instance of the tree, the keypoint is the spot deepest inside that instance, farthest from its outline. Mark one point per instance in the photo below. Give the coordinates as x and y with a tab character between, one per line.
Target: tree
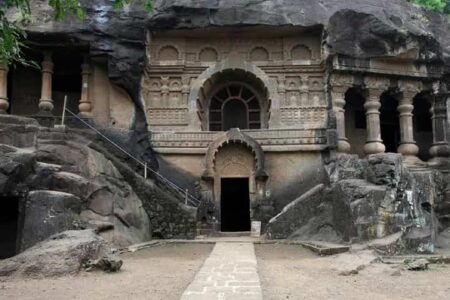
437	5
12	36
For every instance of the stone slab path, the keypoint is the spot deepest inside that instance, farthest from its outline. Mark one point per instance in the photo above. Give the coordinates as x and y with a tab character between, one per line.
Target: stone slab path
230	272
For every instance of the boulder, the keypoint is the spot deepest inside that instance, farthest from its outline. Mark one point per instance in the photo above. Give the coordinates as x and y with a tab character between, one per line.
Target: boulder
297	214
47	213
62	254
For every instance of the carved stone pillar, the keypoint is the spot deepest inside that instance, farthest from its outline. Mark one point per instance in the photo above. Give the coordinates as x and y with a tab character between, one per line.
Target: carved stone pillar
408	146
46	102
440	150
340	85
85	106
4	104
375	87
185	91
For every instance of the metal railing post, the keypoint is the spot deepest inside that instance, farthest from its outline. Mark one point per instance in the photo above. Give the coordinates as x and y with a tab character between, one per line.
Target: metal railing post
186	197
145	170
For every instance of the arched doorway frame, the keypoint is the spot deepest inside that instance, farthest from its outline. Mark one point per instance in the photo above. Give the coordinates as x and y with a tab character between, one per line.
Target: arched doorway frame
258	177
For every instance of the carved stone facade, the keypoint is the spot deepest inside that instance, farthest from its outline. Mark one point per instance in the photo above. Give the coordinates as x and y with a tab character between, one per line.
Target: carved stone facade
225	103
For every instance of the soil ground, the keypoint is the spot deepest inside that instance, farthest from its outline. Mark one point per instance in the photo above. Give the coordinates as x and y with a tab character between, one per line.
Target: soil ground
154	273
285	271
292	272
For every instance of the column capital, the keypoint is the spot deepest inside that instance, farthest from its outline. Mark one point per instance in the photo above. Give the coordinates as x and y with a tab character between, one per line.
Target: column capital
376	83
410	85
342	80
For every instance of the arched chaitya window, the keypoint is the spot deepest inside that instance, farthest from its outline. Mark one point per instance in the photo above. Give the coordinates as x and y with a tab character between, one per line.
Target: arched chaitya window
234	106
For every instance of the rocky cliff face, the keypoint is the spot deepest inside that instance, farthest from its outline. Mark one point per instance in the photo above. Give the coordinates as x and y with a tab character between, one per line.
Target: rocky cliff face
358	28
67	180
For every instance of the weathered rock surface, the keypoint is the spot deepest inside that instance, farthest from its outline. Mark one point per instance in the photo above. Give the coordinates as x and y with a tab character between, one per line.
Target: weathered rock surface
62	254
65	183
47	213
384	198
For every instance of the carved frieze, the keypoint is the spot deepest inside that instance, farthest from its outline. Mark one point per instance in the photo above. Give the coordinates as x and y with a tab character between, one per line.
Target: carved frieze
304	117
267	137
175	116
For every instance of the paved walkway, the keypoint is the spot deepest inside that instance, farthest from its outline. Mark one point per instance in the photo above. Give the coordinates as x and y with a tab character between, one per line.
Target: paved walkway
230	272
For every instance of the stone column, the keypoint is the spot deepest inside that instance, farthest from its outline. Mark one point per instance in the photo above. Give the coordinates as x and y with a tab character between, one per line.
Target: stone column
4	104
339	86
85	106
408	146
440	150
375	87
46	102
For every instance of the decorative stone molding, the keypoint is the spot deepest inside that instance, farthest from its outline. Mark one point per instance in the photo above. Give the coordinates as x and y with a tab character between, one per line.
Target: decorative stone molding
270	140
173	116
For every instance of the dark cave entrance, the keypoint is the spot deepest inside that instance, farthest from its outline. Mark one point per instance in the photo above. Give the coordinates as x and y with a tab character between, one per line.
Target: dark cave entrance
9	217
390	122
235	205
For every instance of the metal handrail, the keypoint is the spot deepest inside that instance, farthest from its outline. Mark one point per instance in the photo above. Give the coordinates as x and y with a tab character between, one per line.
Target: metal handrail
189	199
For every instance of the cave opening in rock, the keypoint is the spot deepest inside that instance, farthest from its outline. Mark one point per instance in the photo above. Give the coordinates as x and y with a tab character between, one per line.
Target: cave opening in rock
9	217
390	122
423	127
235	205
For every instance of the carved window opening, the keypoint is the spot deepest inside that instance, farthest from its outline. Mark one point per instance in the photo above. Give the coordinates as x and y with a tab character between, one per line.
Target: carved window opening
234	106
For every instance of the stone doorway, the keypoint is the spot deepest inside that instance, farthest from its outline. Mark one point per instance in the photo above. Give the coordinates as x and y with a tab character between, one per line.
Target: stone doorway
9	217
235	205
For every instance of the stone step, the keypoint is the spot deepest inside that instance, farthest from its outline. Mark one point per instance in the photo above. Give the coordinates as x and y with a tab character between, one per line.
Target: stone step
325	248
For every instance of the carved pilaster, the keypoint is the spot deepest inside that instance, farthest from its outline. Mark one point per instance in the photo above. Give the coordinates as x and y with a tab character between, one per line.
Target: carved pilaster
409	89
375	87
46	101
165	91
185	90
4	104
340	83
